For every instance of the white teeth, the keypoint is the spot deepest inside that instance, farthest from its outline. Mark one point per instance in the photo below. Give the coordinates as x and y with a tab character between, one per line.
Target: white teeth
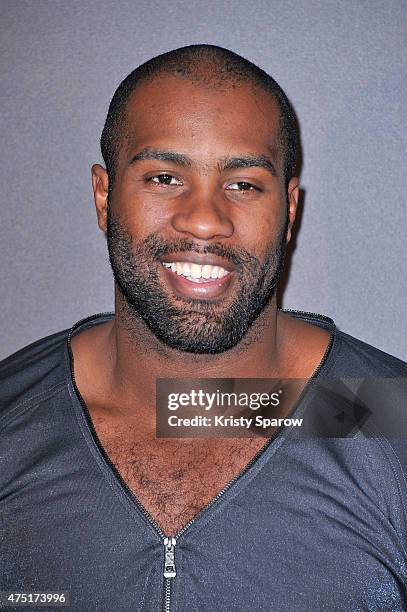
214	273
206	271
194	271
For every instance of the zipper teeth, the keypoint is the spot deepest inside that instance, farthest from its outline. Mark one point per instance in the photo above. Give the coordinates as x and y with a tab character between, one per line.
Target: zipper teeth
241	473
279	430
94	433
167	595
146	514
228	485
235	478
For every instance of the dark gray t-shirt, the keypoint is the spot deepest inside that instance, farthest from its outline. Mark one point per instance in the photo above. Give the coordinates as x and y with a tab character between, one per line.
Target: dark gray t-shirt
310	524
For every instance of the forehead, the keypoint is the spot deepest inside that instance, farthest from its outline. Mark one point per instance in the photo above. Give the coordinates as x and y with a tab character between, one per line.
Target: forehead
208	122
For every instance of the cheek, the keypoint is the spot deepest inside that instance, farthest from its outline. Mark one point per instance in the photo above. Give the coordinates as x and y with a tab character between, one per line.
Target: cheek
140	215
261	231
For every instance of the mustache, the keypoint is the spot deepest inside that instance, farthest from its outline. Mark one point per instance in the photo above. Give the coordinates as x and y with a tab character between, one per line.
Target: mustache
158	247
155	246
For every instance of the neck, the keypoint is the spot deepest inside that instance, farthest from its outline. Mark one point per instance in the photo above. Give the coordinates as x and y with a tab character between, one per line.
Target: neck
139	358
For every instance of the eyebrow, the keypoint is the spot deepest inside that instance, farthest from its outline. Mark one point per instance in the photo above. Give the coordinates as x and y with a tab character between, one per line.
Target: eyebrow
167	156
228	163
249	161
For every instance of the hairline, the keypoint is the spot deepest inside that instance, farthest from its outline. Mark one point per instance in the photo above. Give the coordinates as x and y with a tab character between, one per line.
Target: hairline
178	64
123	133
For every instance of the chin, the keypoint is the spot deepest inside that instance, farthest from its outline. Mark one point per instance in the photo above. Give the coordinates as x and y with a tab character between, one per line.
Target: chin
196	339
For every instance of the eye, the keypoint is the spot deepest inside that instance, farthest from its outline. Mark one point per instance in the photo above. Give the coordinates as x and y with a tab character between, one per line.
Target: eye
164	179
242	186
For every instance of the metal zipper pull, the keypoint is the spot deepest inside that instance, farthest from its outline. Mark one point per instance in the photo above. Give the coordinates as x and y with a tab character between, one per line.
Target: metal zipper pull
169	562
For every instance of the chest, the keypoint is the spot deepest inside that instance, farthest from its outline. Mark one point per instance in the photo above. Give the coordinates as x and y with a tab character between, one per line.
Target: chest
173	480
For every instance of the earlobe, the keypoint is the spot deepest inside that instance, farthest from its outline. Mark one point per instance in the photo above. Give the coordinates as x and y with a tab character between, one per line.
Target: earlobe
100	184
293	194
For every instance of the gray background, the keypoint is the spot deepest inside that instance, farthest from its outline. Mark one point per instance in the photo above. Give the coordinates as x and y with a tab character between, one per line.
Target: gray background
341	63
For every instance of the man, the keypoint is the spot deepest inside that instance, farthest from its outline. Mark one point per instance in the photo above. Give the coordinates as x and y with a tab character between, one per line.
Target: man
198	200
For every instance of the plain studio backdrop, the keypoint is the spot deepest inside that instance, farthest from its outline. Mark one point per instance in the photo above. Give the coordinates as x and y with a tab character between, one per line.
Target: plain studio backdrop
343	66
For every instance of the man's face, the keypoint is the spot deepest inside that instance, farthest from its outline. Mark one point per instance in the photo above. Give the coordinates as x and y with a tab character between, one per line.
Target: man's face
197	218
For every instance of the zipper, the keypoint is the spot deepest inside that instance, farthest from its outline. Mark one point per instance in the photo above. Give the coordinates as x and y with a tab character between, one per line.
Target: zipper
169	570
169	560
169	548
278	431
169	542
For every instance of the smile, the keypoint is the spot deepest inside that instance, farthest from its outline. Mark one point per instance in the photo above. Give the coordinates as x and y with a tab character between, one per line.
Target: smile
202	281
196	273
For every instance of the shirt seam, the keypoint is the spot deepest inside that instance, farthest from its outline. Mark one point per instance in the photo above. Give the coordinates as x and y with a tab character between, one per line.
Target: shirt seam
385	446
27	403
382	442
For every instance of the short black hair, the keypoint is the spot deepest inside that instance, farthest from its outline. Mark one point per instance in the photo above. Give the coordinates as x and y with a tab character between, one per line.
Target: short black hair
206	64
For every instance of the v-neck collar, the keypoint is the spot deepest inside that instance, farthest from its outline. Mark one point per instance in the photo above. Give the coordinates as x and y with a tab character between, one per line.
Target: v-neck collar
262	456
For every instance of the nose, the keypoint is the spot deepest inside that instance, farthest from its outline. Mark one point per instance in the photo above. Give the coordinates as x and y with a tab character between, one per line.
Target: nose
202	216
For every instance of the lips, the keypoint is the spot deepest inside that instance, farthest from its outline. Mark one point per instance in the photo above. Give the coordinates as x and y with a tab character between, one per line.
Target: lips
200	276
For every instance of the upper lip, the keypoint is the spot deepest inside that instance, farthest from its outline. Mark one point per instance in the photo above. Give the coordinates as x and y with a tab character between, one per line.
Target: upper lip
197	258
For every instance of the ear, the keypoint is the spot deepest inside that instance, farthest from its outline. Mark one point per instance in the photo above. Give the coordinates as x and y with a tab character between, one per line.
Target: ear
292	196
100	184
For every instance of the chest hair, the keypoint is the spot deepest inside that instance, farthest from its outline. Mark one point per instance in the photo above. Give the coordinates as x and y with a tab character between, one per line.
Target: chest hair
174	480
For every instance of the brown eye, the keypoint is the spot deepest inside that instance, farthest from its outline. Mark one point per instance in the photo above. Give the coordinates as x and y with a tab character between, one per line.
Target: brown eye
241	186
164	179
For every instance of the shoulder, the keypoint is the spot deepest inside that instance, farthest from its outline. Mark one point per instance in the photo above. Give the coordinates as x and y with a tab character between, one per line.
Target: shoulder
355	358
349	356
379	381
41	369
33	372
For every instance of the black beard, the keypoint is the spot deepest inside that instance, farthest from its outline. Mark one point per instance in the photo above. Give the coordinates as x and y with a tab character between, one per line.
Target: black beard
195	326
